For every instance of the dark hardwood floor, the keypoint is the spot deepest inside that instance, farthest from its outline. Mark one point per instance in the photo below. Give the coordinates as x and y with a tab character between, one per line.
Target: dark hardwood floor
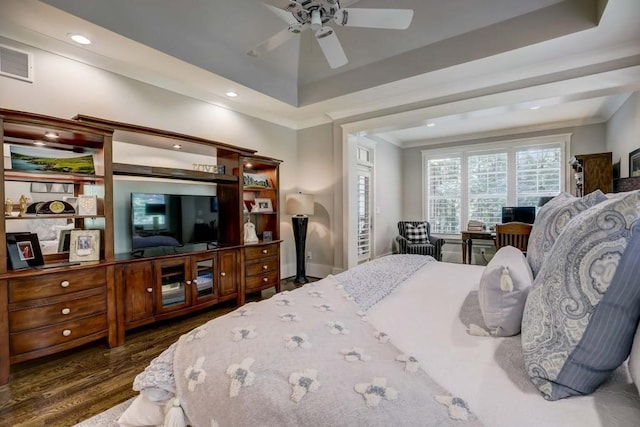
69	387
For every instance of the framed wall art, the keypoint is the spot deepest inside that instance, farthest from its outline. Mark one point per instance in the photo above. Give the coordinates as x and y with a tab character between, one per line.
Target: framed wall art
634	163
84	245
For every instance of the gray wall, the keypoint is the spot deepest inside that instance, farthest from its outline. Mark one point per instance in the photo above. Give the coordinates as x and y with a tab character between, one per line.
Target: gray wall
64	88
623	132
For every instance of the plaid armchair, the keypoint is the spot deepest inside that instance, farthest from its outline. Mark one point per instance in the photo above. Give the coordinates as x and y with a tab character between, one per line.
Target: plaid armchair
415	238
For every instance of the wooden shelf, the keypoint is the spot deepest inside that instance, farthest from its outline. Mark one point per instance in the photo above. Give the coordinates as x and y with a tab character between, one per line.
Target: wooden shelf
54	177
53	216
159	172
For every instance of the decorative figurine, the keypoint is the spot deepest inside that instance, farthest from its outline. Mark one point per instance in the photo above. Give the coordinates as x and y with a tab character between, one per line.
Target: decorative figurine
24	201
250	235
8	207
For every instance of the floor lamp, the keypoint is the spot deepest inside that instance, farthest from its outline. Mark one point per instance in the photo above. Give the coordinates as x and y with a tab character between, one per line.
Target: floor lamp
300	205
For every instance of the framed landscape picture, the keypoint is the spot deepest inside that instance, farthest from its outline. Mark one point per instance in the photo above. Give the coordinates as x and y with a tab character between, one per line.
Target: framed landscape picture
634	163
42	159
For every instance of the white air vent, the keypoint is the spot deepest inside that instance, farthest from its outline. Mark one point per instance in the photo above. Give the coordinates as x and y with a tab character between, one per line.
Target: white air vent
16	63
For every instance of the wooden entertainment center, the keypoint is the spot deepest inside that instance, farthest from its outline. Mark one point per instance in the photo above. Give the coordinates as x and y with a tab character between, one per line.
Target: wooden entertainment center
45	309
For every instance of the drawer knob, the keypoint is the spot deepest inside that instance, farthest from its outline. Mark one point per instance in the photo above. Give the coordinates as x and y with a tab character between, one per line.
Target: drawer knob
264	251
195	281
149	290
66	332
66	310
64	283
188	282
223	274
264	267
265	279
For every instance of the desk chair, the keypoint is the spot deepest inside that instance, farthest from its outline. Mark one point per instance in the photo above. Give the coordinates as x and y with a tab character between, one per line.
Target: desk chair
514	234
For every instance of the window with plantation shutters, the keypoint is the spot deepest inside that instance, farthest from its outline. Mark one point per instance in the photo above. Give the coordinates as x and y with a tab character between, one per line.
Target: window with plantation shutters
444	194
364	213
475	182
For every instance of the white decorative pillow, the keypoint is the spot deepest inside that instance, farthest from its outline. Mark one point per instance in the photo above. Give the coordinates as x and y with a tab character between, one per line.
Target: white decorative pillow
551	220
634	360
582	311
504	287
142	412
417	234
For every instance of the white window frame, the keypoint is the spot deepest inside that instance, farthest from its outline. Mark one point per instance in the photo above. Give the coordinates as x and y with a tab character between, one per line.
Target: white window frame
511	146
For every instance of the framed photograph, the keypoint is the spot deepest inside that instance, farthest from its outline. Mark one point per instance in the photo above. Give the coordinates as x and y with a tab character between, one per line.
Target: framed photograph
634	163
64	242
262	205
267	236
15	258
84	245
27	248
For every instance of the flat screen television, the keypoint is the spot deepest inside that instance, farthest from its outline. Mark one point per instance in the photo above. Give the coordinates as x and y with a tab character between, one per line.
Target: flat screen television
170	220
526	214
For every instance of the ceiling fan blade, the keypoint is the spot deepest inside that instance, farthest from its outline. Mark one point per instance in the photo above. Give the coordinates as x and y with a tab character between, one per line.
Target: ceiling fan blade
331	47
283	14
393	19
272	42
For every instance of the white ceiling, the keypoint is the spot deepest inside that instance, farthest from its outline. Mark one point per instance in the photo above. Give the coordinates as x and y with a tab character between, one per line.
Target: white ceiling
472	68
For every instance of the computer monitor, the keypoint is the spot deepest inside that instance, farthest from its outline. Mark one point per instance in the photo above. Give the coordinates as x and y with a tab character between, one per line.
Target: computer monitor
526	214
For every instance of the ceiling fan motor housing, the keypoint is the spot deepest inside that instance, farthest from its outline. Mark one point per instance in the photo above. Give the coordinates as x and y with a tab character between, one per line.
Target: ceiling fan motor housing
302	10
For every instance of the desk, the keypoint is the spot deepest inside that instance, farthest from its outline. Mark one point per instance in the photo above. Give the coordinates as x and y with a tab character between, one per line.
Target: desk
467	238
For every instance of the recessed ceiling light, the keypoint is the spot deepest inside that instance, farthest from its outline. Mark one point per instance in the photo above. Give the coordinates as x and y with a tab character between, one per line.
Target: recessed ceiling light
79	38
231	94
177	147
51	135
430	125
38	143
535	107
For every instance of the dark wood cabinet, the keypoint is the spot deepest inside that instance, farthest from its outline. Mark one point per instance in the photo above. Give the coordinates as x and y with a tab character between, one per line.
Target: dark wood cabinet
136	284
597	172
229	274
43	311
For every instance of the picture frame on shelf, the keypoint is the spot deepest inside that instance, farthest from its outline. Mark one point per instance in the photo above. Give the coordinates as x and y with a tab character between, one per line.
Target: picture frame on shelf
14	258
634	163
263	205
44	159
87	205
64	242
27	249
254	180
267	236
84	245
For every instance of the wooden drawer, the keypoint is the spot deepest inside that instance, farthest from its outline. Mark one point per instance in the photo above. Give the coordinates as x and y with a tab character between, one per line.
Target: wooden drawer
262	281
256	252
36	339
30	288
46	315
262	266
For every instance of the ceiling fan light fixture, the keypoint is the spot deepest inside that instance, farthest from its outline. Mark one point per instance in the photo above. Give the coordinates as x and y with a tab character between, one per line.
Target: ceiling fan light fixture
316	20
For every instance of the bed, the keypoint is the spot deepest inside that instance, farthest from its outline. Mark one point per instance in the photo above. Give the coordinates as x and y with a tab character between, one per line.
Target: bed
406	340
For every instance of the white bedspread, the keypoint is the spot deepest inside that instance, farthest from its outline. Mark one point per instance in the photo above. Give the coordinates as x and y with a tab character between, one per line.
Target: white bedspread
423	317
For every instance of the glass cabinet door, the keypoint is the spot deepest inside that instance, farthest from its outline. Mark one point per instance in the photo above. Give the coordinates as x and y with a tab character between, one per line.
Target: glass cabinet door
173	281
204	288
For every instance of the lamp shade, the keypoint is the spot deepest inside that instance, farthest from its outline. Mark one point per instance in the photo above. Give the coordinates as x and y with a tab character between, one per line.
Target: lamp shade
299	204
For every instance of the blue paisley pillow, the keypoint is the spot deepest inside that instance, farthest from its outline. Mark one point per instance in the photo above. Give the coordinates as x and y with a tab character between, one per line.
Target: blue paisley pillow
582	311
551	220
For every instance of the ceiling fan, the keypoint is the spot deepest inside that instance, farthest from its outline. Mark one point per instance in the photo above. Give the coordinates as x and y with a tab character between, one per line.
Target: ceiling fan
316	14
